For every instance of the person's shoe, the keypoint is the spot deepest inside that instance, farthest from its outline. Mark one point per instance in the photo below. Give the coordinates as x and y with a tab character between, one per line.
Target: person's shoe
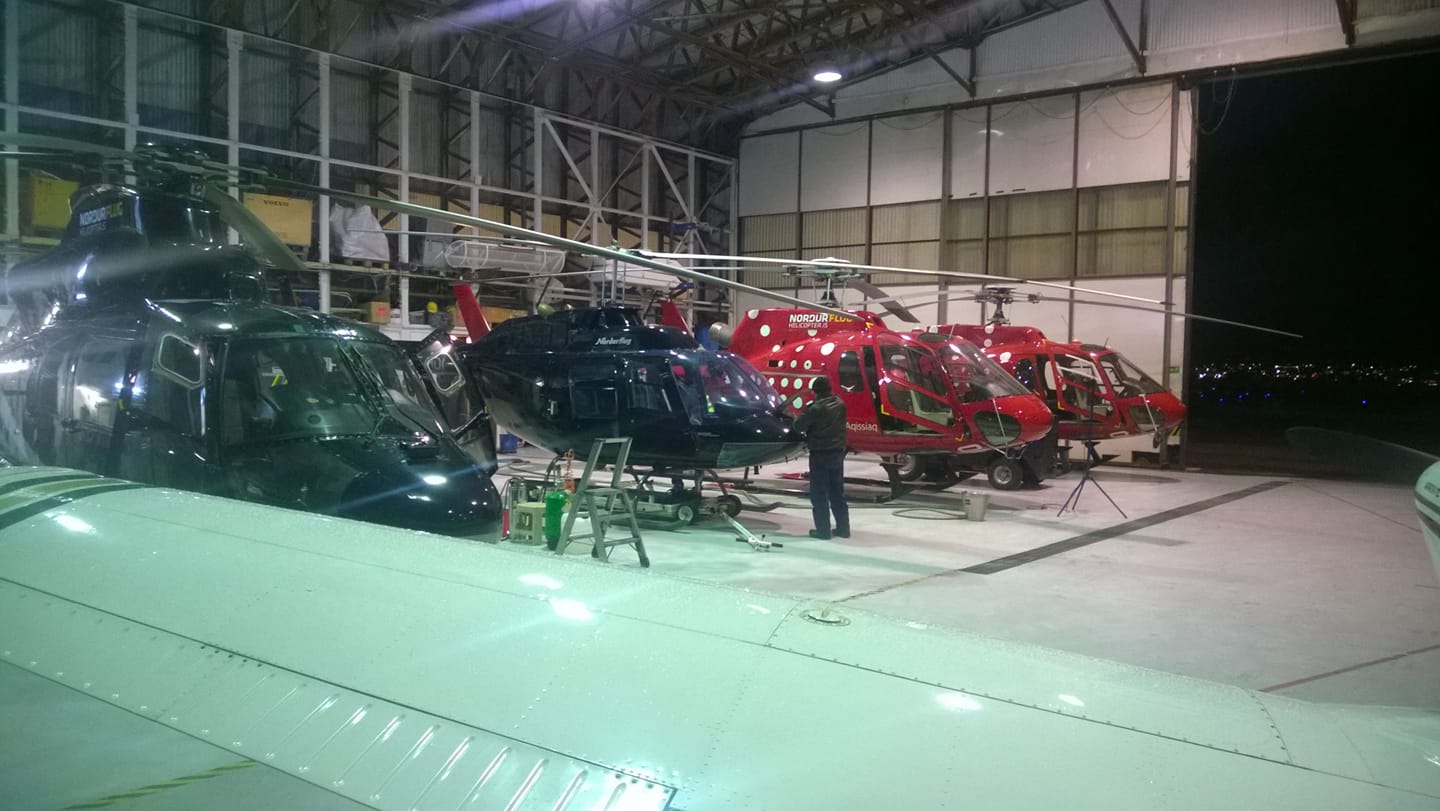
840	534
816	534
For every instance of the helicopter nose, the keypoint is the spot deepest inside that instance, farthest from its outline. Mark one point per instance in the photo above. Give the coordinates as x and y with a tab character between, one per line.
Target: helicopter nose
1014	420
764	439
464	504
1155	412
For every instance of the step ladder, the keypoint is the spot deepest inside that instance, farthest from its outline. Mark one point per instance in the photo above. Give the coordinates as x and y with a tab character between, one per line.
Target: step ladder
605	505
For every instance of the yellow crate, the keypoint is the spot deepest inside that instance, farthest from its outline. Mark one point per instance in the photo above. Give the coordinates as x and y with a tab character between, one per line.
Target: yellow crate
50	203
288	217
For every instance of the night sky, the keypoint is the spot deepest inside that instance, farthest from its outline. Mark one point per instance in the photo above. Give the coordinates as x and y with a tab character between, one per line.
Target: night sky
1318	211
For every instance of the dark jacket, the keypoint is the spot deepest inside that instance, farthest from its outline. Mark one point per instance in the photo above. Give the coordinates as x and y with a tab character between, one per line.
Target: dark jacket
823	424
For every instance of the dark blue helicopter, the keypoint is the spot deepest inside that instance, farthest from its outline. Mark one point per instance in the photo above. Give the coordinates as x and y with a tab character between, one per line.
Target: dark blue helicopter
565	379
147	347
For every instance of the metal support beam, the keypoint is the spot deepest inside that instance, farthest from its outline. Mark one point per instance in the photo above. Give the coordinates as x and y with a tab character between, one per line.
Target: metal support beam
1135	55
1170	189
324	207
12	122
1347	10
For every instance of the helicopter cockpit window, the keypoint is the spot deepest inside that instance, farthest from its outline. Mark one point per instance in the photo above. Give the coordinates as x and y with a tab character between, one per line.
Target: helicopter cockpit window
916	384
647	386
975	376
1025	373
180	221
291	388
1080	386
99	378
180	360
1127	378
391	371
593	389
444	373
849	372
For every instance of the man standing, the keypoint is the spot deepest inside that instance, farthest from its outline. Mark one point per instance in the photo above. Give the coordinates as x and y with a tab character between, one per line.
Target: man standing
823	424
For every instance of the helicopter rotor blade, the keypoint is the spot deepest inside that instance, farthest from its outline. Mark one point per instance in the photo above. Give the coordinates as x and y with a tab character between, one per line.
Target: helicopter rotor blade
634	258
952	274
252	230
885	300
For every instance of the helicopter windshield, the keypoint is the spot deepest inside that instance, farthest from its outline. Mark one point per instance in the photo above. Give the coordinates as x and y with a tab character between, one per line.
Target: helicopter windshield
975	376
181	221
712	382
296	388
1126	377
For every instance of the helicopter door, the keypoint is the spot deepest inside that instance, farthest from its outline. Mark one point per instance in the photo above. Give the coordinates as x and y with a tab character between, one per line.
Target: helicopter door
913	388
457	396
88	422
1079	388
860	397
654	405
595	397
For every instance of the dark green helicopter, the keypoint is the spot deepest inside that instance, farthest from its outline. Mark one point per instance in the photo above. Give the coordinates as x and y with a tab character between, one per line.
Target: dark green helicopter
145	346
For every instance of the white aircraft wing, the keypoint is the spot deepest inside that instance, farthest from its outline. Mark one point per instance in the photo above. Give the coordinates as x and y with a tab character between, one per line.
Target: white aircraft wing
405	670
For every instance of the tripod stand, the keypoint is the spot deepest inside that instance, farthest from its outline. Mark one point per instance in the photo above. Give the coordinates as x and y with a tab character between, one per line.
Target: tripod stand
1092	459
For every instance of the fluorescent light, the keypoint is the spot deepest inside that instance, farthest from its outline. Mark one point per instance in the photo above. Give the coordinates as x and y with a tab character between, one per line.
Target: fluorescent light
827	75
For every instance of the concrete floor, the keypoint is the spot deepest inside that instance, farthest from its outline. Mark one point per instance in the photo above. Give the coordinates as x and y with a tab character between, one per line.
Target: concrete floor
1316	589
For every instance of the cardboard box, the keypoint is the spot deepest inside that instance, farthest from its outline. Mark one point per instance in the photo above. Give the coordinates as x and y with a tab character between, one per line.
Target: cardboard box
50	203
378	312
289	217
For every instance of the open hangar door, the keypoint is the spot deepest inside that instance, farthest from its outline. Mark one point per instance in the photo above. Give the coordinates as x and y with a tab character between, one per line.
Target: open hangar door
1314	213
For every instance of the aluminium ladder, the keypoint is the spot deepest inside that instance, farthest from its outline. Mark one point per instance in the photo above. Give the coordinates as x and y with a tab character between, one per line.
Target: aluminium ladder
605	505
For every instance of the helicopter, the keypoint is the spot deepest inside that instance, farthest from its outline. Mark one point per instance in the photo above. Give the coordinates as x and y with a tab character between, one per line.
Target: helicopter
904	396
1094	391
564	379
146	346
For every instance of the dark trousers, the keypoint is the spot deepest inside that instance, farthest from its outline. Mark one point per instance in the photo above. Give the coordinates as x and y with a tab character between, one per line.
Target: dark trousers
827	491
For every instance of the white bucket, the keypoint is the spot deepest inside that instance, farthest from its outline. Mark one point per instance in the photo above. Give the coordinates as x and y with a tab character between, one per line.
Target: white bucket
975	505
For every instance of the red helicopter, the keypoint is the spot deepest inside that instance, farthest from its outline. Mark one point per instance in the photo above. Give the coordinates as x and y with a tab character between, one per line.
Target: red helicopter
906	396
1094	391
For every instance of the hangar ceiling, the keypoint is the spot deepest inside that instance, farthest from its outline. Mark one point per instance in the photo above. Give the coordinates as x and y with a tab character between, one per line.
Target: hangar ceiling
693	71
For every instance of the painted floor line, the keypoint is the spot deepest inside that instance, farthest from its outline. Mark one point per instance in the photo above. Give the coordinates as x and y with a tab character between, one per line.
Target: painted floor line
1079	541
1318	676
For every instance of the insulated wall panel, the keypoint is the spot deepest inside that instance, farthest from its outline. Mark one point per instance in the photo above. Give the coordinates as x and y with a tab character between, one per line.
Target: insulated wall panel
769	173
967	153
914	222
1124	135
833	167
906	152
1032	145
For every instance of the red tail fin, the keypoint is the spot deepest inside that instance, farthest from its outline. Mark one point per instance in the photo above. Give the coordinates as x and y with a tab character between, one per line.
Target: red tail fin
670	316
470	312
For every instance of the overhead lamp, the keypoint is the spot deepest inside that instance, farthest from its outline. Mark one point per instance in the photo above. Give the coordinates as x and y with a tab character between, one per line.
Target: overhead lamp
827	75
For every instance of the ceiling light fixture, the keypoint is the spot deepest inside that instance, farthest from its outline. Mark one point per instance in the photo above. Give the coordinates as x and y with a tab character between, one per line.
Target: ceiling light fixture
827	75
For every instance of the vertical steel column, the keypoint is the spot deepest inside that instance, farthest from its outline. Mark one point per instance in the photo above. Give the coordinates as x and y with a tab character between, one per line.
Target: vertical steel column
323	226
132	83
475	157
234	42
734	227
538	117
869	189
1170	188
403	88
945	253
595	201
693	237
646	202
1185	348
1074	218
985	233
12	123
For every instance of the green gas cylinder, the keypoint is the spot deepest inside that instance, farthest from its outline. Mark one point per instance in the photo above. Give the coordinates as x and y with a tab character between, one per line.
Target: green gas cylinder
554	516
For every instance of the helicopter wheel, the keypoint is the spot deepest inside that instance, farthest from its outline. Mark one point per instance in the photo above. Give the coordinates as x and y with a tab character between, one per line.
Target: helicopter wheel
1061	464
730	505
908	467
1005	474
685	514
